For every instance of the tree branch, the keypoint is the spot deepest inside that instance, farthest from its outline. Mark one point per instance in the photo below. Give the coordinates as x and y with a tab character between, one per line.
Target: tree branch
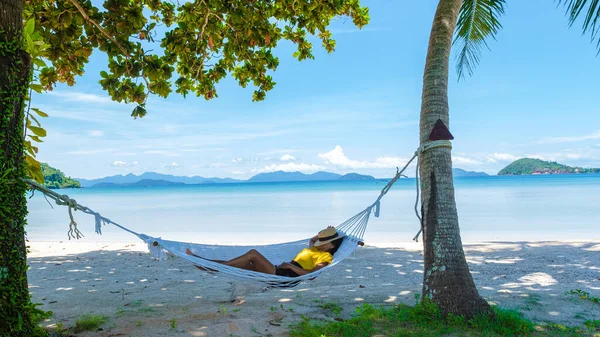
108	36
200	36
104	32
222	20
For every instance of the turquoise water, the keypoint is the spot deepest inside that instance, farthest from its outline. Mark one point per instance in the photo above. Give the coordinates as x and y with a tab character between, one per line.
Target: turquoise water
490	208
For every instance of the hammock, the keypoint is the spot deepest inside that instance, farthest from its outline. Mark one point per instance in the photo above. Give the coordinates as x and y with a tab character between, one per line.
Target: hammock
353	228
276	253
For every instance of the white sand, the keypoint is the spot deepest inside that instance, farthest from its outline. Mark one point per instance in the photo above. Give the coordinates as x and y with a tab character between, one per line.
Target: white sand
142	297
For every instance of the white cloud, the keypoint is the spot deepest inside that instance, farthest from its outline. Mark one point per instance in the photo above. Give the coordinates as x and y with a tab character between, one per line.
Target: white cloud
276	152
563	156
494	157
96	133
338	157
120	163
169	129
461	160
171	166
571	139
241	161
74	96
164	153
291	167
586	157
287	157
90	151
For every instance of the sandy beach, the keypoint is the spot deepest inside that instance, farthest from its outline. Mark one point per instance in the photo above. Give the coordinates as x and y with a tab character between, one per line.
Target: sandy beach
145	297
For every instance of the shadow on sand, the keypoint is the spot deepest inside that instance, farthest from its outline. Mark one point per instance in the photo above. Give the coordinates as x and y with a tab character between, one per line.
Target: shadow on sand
144	297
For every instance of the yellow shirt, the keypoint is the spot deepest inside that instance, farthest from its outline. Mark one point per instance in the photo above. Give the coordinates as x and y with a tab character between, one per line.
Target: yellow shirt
308	258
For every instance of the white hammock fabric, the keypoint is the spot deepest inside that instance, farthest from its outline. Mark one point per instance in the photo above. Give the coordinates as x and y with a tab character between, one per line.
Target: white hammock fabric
354	229
276	253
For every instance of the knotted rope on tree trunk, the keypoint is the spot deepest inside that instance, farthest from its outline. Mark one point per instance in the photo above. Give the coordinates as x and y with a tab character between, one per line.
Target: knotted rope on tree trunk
64	200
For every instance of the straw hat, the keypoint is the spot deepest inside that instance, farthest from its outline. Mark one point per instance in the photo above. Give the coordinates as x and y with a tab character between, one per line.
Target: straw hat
327	235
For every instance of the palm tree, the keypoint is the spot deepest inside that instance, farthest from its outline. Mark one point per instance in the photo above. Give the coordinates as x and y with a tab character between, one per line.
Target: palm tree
447	280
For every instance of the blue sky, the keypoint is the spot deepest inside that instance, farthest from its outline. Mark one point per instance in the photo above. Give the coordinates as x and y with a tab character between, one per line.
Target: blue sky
356	110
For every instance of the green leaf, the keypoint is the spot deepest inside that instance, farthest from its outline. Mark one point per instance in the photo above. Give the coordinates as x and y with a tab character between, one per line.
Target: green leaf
28	44
591	22
40	112
39	62
35	138
34	169
28	146
29	27
40	132
139	111
32	149
199	45
478	20
34	119
36	87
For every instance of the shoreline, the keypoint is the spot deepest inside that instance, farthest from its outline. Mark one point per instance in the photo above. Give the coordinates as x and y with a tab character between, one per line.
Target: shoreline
379	239
142	296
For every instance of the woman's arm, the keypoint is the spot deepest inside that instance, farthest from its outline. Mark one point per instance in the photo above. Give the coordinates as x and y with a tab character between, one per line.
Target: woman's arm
301	271
312	241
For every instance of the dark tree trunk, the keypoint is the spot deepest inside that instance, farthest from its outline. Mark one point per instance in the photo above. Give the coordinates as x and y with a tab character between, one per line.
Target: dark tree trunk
447	280
15	306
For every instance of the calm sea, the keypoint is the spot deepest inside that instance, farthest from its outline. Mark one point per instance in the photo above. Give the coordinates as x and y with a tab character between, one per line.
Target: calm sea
559	207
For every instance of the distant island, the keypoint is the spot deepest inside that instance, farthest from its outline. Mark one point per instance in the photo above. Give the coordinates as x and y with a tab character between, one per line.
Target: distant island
55	178
525	166
141	183
456	172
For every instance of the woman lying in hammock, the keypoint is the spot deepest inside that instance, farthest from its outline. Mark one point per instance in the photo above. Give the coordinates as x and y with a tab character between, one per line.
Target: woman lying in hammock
319	253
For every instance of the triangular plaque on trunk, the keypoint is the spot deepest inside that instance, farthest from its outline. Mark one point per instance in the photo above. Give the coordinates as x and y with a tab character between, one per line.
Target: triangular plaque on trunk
440	132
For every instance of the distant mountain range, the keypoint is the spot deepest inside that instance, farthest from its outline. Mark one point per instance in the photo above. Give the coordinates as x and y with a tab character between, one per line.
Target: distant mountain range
141	183
158	179
132	178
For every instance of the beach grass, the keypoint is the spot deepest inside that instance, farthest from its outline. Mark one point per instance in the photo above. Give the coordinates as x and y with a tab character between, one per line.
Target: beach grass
88	323
584	295
426	320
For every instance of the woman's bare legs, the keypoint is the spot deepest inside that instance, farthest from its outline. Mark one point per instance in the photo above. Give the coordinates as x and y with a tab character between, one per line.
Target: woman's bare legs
189	252
252	260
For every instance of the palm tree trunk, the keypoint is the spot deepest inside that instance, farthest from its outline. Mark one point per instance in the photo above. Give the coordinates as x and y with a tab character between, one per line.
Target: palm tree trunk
447	280
15	305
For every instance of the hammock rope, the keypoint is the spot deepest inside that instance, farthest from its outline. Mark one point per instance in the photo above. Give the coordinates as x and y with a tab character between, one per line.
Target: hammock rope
353	228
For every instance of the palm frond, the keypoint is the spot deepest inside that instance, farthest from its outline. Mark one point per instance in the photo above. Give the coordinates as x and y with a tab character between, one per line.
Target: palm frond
591	23
477	20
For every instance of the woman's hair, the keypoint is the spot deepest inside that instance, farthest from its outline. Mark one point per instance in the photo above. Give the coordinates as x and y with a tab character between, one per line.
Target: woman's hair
336	245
